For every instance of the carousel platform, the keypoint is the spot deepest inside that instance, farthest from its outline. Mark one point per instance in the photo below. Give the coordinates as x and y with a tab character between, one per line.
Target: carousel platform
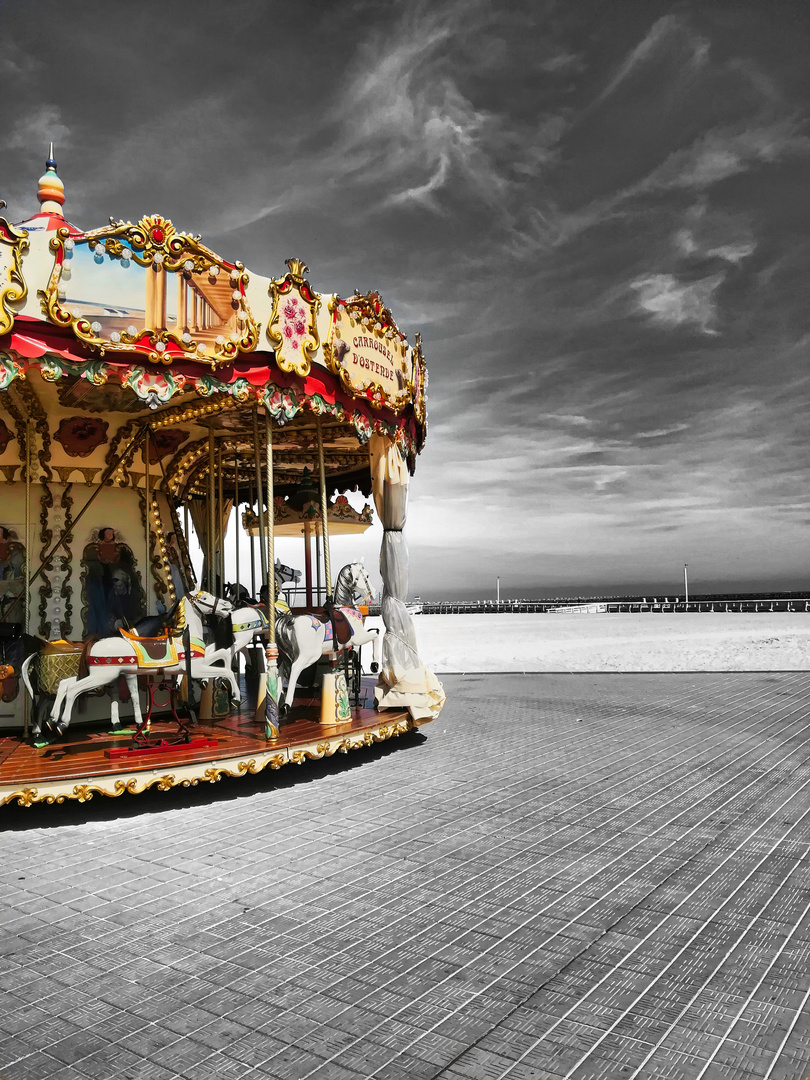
89	762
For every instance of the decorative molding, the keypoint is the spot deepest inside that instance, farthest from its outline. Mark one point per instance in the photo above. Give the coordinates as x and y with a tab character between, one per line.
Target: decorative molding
156	245
66	592
194	773
380	348
10	369
6	435
159	587
293	327
13	289
81	435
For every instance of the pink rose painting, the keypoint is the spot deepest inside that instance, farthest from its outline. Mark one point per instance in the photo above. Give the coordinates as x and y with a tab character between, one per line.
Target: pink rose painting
294	322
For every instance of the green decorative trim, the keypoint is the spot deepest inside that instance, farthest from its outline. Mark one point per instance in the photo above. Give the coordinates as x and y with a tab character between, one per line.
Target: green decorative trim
10	369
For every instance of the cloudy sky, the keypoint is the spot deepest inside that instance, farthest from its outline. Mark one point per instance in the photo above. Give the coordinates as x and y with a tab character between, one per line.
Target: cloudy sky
595	211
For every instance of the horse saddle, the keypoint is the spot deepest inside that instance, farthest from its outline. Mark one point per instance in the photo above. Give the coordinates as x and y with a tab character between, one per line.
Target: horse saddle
342	624
153	652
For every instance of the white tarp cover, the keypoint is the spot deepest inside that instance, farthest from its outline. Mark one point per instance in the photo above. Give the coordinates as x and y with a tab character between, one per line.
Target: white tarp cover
404	681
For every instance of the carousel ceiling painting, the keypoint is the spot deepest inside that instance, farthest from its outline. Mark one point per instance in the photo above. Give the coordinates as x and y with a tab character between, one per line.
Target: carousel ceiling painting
149	388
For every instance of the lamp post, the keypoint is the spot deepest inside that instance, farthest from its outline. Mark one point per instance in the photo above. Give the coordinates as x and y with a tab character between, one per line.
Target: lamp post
686	582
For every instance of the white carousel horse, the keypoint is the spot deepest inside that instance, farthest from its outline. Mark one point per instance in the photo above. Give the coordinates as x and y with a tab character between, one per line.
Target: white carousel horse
245	622
303	639
110	657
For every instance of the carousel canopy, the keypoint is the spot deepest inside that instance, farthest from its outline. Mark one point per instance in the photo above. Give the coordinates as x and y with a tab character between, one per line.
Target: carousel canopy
126	322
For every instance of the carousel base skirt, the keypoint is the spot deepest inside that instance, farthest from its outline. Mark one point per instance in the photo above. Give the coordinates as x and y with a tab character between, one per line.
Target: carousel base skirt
85	763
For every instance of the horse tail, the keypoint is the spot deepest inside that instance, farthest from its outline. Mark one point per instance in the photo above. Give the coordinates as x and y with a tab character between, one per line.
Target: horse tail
285	635
24	673
84	666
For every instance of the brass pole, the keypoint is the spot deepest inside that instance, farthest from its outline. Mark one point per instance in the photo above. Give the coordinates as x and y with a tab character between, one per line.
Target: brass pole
222	524
211	582
236	524
317	567
28	441
308	561
260	498
324	523
271	728
252	547
148	507
27	605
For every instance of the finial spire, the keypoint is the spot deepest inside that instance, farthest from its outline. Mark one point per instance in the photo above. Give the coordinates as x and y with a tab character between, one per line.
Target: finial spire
51	192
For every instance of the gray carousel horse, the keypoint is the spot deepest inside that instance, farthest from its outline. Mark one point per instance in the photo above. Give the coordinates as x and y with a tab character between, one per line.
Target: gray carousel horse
303	639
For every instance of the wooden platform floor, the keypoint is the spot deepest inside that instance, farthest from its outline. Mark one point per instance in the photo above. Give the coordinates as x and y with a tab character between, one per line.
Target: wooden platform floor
78	765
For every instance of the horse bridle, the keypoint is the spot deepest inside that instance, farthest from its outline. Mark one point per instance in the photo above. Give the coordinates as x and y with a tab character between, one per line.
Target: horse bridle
202	614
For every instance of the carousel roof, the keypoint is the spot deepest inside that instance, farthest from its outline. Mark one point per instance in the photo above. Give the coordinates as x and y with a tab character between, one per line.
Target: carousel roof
147	321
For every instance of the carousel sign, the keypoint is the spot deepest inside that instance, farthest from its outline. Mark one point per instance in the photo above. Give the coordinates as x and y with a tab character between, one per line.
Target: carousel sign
368	351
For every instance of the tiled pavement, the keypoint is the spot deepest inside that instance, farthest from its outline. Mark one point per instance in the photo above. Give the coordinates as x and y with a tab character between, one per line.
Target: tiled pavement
565	876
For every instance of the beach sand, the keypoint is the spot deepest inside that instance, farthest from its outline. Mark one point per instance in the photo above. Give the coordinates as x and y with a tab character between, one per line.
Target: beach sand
776	641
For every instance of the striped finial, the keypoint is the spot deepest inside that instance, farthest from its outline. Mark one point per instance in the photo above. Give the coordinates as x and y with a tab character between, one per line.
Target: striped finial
51	193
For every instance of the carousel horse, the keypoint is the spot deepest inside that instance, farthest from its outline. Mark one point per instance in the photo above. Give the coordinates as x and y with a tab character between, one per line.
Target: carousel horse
303	639
129	656
245	623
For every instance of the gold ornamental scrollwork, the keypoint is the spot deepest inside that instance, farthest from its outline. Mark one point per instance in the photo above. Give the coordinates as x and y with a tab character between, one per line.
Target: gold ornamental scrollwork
293	327
13	289
368	352
194	303
419	382
114	787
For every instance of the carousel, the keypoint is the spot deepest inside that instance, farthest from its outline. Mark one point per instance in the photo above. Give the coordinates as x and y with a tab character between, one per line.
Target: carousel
157	400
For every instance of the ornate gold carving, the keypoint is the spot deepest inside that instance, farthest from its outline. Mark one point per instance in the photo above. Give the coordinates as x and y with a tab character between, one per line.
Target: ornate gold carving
371	329
13	289
293	327
419	382
139	782
155	243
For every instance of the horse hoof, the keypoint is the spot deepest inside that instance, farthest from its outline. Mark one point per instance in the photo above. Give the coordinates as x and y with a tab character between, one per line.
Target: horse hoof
375	668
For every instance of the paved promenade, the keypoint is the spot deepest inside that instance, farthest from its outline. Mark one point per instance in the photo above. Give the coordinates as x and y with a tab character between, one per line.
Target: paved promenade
577	876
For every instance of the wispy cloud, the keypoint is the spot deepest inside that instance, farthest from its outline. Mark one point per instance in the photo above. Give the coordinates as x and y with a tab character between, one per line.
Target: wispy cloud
674	303
670	39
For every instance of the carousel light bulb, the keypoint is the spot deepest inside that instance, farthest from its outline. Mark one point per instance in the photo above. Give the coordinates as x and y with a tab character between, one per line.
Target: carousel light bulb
69	244
236	295
115	336
187	338
126	254
95	327
158	257
188	265
202	348
160	346
132	330
213	271
220	339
